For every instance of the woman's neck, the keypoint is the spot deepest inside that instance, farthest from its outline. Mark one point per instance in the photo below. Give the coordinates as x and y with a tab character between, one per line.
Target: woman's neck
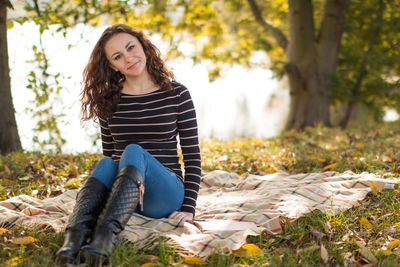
139	85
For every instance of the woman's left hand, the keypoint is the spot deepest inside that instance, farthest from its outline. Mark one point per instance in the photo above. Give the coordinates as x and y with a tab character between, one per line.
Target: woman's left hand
181	216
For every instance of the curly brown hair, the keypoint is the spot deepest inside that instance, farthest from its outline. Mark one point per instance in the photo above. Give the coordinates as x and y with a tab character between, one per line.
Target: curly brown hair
103	85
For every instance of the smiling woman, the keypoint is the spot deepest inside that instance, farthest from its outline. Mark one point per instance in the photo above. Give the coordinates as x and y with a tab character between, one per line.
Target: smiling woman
142	112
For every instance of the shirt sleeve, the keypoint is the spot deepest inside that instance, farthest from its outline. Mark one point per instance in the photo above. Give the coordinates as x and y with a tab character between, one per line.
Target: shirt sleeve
106	139
189	142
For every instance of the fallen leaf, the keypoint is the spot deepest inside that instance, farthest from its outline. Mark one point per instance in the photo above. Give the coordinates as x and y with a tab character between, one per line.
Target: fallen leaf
389	230
324	254
14	261
6	169
277	256
387	159
393	244
364	221
147	264
23	240
194	260
3	231
317	234
330	166
360	145
366	253
373	187
252	249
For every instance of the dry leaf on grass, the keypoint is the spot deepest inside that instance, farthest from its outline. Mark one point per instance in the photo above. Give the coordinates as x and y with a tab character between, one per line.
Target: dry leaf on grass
23	240
194	260
324	254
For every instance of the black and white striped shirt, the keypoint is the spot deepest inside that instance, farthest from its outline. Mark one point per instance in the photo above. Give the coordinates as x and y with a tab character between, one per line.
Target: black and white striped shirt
153	121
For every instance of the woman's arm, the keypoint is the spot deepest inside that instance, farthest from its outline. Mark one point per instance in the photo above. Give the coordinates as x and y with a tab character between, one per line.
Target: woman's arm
106	139
189	142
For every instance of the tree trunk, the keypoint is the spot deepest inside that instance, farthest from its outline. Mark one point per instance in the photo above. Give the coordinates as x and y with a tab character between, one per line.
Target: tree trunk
9	138
312	61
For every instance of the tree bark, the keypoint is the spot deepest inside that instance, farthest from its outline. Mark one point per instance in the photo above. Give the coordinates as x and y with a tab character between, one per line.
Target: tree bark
312	61
9	138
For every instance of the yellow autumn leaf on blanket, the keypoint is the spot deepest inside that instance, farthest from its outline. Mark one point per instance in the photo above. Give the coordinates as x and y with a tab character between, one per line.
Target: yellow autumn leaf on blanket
330	166
147	264
364	221
23	240
393	244
194	260
3	231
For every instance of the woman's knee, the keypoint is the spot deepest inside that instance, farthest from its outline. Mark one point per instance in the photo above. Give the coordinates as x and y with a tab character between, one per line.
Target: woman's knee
106	161
133	149
133	155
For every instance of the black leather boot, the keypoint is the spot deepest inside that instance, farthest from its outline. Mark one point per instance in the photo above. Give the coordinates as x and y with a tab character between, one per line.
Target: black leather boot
89	204
127	191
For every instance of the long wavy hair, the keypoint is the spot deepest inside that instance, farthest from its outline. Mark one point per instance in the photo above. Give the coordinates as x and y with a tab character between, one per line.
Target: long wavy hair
102	85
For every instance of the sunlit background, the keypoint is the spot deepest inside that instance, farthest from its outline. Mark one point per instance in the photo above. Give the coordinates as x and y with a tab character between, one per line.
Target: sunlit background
241	103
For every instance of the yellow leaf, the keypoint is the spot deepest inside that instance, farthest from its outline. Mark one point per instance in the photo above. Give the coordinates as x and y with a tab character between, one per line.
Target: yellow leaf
330	166
364	221
14	260
23	240
356	154
251	249
194	260
3	231
147	264
373	187
360	145
393	244
324	254
387	252
277	256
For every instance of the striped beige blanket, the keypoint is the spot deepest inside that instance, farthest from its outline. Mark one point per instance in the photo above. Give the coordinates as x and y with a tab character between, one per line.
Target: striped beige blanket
230	208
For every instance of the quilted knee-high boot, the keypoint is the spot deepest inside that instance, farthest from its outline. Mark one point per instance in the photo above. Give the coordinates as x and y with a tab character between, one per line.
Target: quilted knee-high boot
127	191
89	204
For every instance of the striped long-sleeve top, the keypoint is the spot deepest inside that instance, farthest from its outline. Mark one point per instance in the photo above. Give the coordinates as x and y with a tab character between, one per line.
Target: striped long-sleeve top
154	121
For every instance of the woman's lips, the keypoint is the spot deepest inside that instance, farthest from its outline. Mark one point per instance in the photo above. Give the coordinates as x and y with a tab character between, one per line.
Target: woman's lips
133	66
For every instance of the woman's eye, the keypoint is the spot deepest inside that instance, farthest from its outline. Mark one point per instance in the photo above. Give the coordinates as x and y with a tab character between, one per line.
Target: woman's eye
117	57
131	47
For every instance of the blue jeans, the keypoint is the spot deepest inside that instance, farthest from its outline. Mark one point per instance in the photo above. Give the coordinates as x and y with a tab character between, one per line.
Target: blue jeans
164	191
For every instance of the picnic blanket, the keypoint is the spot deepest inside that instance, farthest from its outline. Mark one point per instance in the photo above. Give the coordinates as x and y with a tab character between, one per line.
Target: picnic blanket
230	207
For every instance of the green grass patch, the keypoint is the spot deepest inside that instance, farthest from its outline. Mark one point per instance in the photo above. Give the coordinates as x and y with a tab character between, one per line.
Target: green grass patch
366	233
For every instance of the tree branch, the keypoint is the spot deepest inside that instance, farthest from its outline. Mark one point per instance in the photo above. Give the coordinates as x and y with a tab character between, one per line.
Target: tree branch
355	91
269	28
7	3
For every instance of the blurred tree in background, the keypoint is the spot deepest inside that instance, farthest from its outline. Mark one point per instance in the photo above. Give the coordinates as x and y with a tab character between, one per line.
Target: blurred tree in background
333	52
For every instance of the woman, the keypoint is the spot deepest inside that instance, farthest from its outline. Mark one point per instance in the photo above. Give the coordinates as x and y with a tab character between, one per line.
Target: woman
141	111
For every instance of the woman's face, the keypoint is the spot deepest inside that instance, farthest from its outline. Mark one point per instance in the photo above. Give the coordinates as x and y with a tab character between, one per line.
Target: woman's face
125	54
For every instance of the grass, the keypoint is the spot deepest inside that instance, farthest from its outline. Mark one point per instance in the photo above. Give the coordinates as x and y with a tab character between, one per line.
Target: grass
366	233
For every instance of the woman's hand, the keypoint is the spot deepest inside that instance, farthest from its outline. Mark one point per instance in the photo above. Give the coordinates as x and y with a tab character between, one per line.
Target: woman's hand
181	216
